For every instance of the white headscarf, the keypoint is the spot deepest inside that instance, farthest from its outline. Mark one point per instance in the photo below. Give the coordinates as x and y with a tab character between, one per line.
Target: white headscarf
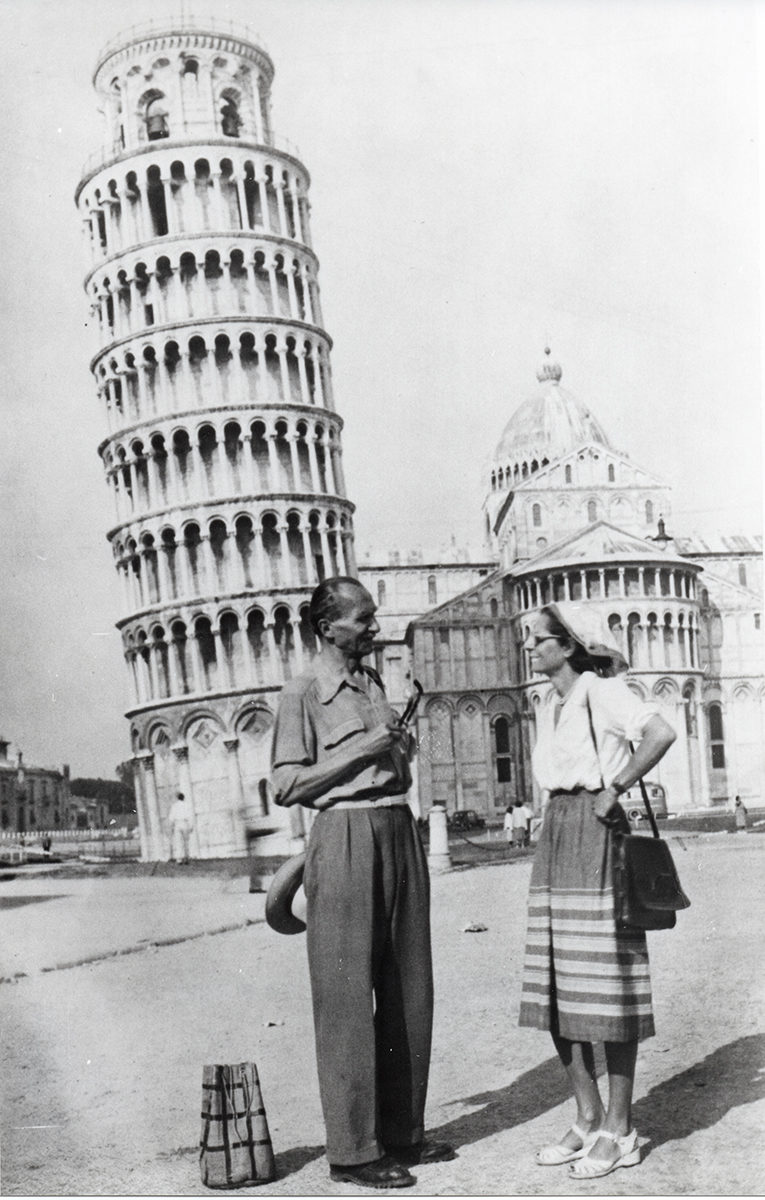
586	626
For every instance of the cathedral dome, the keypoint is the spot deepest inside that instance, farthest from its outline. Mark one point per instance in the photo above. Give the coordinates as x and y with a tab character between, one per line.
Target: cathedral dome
550	423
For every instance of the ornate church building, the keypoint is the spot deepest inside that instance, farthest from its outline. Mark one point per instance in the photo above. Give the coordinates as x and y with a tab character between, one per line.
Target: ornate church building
570	517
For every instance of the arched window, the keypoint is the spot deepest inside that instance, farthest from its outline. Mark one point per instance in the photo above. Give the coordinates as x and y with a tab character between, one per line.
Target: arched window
742	574
503	758
649	512
432	590
592	510
716	736
568	474
380	593
536	515
190	68
689	707
230	120
157	125
611	473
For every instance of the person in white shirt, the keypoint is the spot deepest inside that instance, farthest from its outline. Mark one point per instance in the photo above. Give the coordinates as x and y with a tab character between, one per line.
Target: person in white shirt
181	821
584	979
507	824
520	824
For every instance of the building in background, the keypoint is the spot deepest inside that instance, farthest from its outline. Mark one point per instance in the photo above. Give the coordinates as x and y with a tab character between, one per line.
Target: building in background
222	450
406	589
32	799
570	517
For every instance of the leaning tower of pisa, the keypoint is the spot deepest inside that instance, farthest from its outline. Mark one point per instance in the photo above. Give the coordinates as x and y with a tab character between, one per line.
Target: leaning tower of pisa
222	445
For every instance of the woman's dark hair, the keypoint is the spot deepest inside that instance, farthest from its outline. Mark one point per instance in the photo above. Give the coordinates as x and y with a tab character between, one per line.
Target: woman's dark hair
327	599
581	660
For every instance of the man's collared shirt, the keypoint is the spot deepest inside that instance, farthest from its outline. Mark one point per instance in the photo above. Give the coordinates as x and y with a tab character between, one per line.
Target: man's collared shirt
320	713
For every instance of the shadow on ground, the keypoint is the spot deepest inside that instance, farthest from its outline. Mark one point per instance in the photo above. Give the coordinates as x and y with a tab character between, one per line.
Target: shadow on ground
699	1097
289	1162
20	901
531	1094
694	1099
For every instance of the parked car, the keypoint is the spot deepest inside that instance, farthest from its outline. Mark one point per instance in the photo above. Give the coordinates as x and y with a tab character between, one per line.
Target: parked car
632	802
464	818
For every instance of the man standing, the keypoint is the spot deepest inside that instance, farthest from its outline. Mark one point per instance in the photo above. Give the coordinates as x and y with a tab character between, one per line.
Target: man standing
338	748
181	824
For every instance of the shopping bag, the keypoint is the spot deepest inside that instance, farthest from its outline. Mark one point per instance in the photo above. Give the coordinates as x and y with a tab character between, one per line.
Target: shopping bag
235	1149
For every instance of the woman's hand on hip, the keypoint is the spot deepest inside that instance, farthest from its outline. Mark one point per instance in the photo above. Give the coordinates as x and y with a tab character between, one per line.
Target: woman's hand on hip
604	804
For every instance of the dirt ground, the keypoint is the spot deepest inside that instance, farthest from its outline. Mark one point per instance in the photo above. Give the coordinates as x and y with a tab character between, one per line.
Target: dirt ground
103	1060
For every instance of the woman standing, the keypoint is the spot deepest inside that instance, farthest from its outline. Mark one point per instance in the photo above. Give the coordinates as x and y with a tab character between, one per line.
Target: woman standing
584	979
739	812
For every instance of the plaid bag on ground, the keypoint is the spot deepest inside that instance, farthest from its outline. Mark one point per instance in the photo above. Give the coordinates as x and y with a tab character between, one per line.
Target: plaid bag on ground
235	1149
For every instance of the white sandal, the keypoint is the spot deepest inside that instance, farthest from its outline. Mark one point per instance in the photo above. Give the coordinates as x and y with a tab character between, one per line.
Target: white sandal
559	1153
593	1168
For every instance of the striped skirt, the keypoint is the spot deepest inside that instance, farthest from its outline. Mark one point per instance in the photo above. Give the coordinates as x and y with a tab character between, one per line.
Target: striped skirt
582	978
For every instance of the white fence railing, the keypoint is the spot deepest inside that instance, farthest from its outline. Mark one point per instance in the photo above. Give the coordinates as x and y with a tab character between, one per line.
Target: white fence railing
65	835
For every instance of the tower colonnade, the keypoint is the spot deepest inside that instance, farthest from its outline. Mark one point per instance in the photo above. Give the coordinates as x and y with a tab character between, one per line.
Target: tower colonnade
193	188
252	276
168	464
223	449
198	369
283	548
203	650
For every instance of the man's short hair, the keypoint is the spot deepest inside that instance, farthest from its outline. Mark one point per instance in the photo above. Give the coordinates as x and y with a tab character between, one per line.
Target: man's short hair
327	599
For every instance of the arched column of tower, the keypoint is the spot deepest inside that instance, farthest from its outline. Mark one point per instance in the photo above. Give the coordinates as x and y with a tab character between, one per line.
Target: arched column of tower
222	448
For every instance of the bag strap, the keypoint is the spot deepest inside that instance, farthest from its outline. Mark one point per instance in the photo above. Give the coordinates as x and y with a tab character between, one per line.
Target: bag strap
594	741
643	790
646	801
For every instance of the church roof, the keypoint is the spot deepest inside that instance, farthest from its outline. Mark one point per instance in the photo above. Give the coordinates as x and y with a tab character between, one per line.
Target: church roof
549	424
720	544
599	544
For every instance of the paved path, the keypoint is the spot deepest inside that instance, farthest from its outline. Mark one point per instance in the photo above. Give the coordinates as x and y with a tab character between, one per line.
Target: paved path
103	1060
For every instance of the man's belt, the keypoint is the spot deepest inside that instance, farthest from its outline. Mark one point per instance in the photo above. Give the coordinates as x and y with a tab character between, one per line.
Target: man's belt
370	802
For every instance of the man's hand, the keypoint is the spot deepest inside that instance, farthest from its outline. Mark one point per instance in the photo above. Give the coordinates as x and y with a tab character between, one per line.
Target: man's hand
380	740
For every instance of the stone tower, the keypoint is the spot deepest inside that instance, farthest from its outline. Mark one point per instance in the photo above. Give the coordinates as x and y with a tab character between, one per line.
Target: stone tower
222	452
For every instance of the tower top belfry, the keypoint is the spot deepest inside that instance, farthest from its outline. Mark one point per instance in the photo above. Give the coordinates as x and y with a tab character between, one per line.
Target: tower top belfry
205	80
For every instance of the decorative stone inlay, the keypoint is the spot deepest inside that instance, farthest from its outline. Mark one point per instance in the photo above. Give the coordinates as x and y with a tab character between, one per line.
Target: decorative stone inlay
205	735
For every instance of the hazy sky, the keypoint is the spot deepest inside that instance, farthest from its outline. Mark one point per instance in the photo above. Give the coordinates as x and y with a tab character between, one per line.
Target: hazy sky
488	176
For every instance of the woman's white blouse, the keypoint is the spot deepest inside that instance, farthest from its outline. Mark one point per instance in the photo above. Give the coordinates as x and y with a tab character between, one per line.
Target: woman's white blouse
564	756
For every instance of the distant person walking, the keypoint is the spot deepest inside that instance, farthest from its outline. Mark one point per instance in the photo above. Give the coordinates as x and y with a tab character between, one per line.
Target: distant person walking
520	824
584	979
181	821
507	824
739	814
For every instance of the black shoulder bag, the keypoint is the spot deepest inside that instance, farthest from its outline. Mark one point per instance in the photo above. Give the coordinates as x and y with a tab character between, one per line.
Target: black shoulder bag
647	891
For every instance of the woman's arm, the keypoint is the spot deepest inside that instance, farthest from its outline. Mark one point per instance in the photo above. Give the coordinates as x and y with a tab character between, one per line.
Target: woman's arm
654	744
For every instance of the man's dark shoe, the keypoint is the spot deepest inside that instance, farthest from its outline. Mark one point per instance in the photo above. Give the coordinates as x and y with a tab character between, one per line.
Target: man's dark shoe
422	1152
384	1172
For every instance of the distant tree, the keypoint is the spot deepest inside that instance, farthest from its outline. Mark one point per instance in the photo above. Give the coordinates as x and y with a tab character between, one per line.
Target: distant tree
125	772
116	794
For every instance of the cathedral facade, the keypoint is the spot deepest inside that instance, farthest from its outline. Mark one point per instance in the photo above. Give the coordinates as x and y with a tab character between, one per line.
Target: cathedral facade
570	517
